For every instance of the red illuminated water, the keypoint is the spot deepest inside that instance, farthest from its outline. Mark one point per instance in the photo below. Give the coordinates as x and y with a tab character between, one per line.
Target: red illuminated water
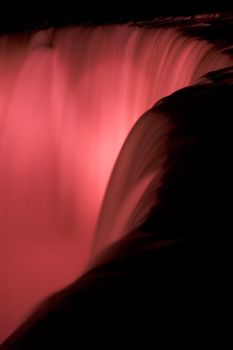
68	99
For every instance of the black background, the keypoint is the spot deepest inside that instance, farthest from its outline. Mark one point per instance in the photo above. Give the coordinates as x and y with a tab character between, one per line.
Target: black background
25	16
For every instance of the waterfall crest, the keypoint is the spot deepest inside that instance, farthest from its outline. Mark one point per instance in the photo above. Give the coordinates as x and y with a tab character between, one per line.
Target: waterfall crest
68	100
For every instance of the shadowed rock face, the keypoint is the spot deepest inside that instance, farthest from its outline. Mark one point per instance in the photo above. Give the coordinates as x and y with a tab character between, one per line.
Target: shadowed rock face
159	281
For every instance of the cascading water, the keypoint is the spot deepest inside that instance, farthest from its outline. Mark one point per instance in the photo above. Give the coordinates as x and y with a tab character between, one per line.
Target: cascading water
68	99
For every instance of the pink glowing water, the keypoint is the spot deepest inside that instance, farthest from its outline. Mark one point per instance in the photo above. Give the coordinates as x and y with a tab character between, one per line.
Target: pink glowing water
68	99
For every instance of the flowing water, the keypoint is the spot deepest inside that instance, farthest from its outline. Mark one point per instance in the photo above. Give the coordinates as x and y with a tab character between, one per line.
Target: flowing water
68	100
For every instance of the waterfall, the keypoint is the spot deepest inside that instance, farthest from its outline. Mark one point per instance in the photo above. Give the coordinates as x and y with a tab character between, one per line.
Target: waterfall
68	99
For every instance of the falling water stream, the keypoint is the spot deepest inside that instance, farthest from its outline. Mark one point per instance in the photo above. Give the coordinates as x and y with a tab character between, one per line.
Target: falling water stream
68	99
